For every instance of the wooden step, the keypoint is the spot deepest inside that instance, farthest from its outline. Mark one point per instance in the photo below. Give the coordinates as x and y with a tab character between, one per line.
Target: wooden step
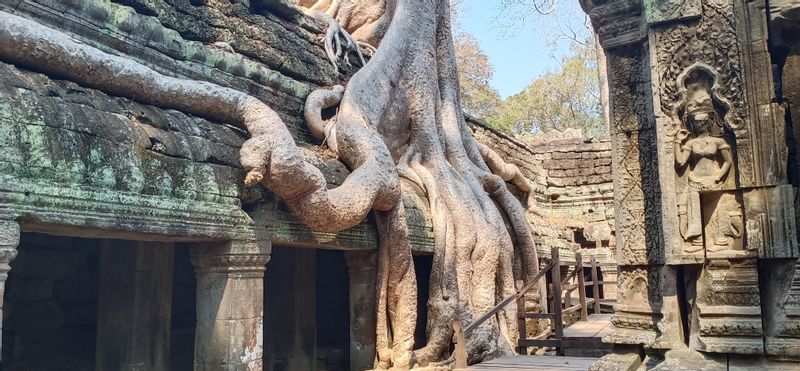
536	363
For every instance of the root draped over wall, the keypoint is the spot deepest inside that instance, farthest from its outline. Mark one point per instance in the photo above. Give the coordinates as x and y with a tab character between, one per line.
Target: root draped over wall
398	117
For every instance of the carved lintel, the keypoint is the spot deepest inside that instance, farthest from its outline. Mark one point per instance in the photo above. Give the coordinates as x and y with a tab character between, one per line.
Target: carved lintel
240	258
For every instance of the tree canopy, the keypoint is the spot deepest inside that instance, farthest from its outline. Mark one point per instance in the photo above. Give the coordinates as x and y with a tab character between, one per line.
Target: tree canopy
475	71
562	100
556	101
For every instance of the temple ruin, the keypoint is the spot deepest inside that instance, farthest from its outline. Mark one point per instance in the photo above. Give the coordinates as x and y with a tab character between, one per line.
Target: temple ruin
292	185
705	181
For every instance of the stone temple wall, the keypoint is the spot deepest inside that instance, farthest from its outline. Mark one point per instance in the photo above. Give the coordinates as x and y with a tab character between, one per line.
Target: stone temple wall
92	167
73	149
705	182
573	190
571	177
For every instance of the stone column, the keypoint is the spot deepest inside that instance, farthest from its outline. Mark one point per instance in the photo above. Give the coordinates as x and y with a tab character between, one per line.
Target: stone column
363	270
9	240
134	305
230	305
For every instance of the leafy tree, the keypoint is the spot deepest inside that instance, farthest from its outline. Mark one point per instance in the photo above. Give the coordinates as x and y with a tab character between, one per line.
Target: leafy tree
478	98
571	97
557	101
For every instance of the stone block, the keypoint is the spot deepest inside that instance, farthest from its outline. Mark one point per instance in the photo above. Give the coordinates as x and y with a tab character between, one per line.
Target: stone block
743	363
42	315
249	295
232	342
79	287
628	361
37	289
81	314
566	155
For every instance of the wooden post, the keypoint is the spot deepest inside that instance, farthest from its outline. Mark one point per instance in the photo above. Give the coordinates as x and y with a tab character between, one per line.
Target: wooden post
460	345
567	293
595	287
558	325
582	287
521	327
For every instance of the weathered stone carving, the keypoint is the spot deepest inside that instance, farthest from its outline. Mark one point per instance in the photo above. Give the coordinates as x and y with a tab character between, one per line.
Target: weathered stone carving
726	316
704	162
671	10
726	228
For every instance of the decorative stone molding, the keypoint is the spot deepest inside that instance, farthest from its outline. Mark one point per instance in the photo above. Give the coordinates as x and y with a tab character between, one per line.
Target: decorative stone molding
234	257
9	240
616	22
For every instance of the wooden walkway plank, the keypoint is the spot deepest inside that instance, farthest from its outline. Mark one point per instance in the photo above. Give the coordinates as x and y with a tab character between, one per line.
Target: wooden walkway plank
596	325
536	363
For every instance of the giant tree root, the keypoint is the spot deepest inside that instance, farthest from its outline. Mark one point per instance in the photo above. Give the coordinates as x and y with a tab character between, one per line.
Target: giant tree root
408	93
270	155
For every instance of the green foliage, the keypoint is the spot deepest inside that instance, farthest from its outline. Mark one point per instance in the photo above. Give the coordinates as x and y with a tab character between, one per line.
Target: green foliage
557	101
478	98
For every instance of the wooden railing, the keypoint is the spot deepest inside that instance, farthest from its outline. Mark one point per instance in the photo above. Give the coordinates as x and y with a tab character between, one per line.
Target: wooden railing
557	309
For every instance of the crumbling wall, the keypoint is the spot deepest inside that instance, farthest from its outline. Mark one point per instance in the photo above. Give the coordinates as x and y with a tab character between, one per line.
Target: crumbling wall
145	163
573	189
571	177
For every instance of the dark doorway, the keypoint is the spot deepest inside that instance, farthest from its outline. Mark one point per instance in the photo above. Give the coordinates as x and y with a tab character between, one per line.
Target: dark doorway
333	311
306	310
50	308
184	313
422	268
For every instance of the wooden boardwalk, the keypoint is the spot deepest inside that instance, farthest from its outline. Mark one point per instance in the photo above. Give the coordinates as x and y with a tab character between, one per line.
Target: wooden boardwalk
535	363
584	338
596	327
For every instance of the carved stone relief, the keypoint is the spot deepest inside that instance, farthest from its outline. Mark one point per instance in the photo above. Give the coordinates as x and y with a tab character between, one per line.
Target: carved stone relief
616	22
709	215
657	11
638	211
702	147
727	315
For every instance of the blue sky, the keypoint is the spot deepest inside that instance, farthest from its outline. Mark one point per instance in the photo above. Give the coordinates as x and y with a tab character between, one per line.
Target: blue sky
518	55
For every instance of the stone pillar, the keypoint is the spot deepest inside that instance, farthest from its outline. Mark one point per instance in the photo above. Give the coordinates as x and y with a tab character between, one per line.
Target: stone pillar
9	240
362	268
134	305
703	210
230	305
